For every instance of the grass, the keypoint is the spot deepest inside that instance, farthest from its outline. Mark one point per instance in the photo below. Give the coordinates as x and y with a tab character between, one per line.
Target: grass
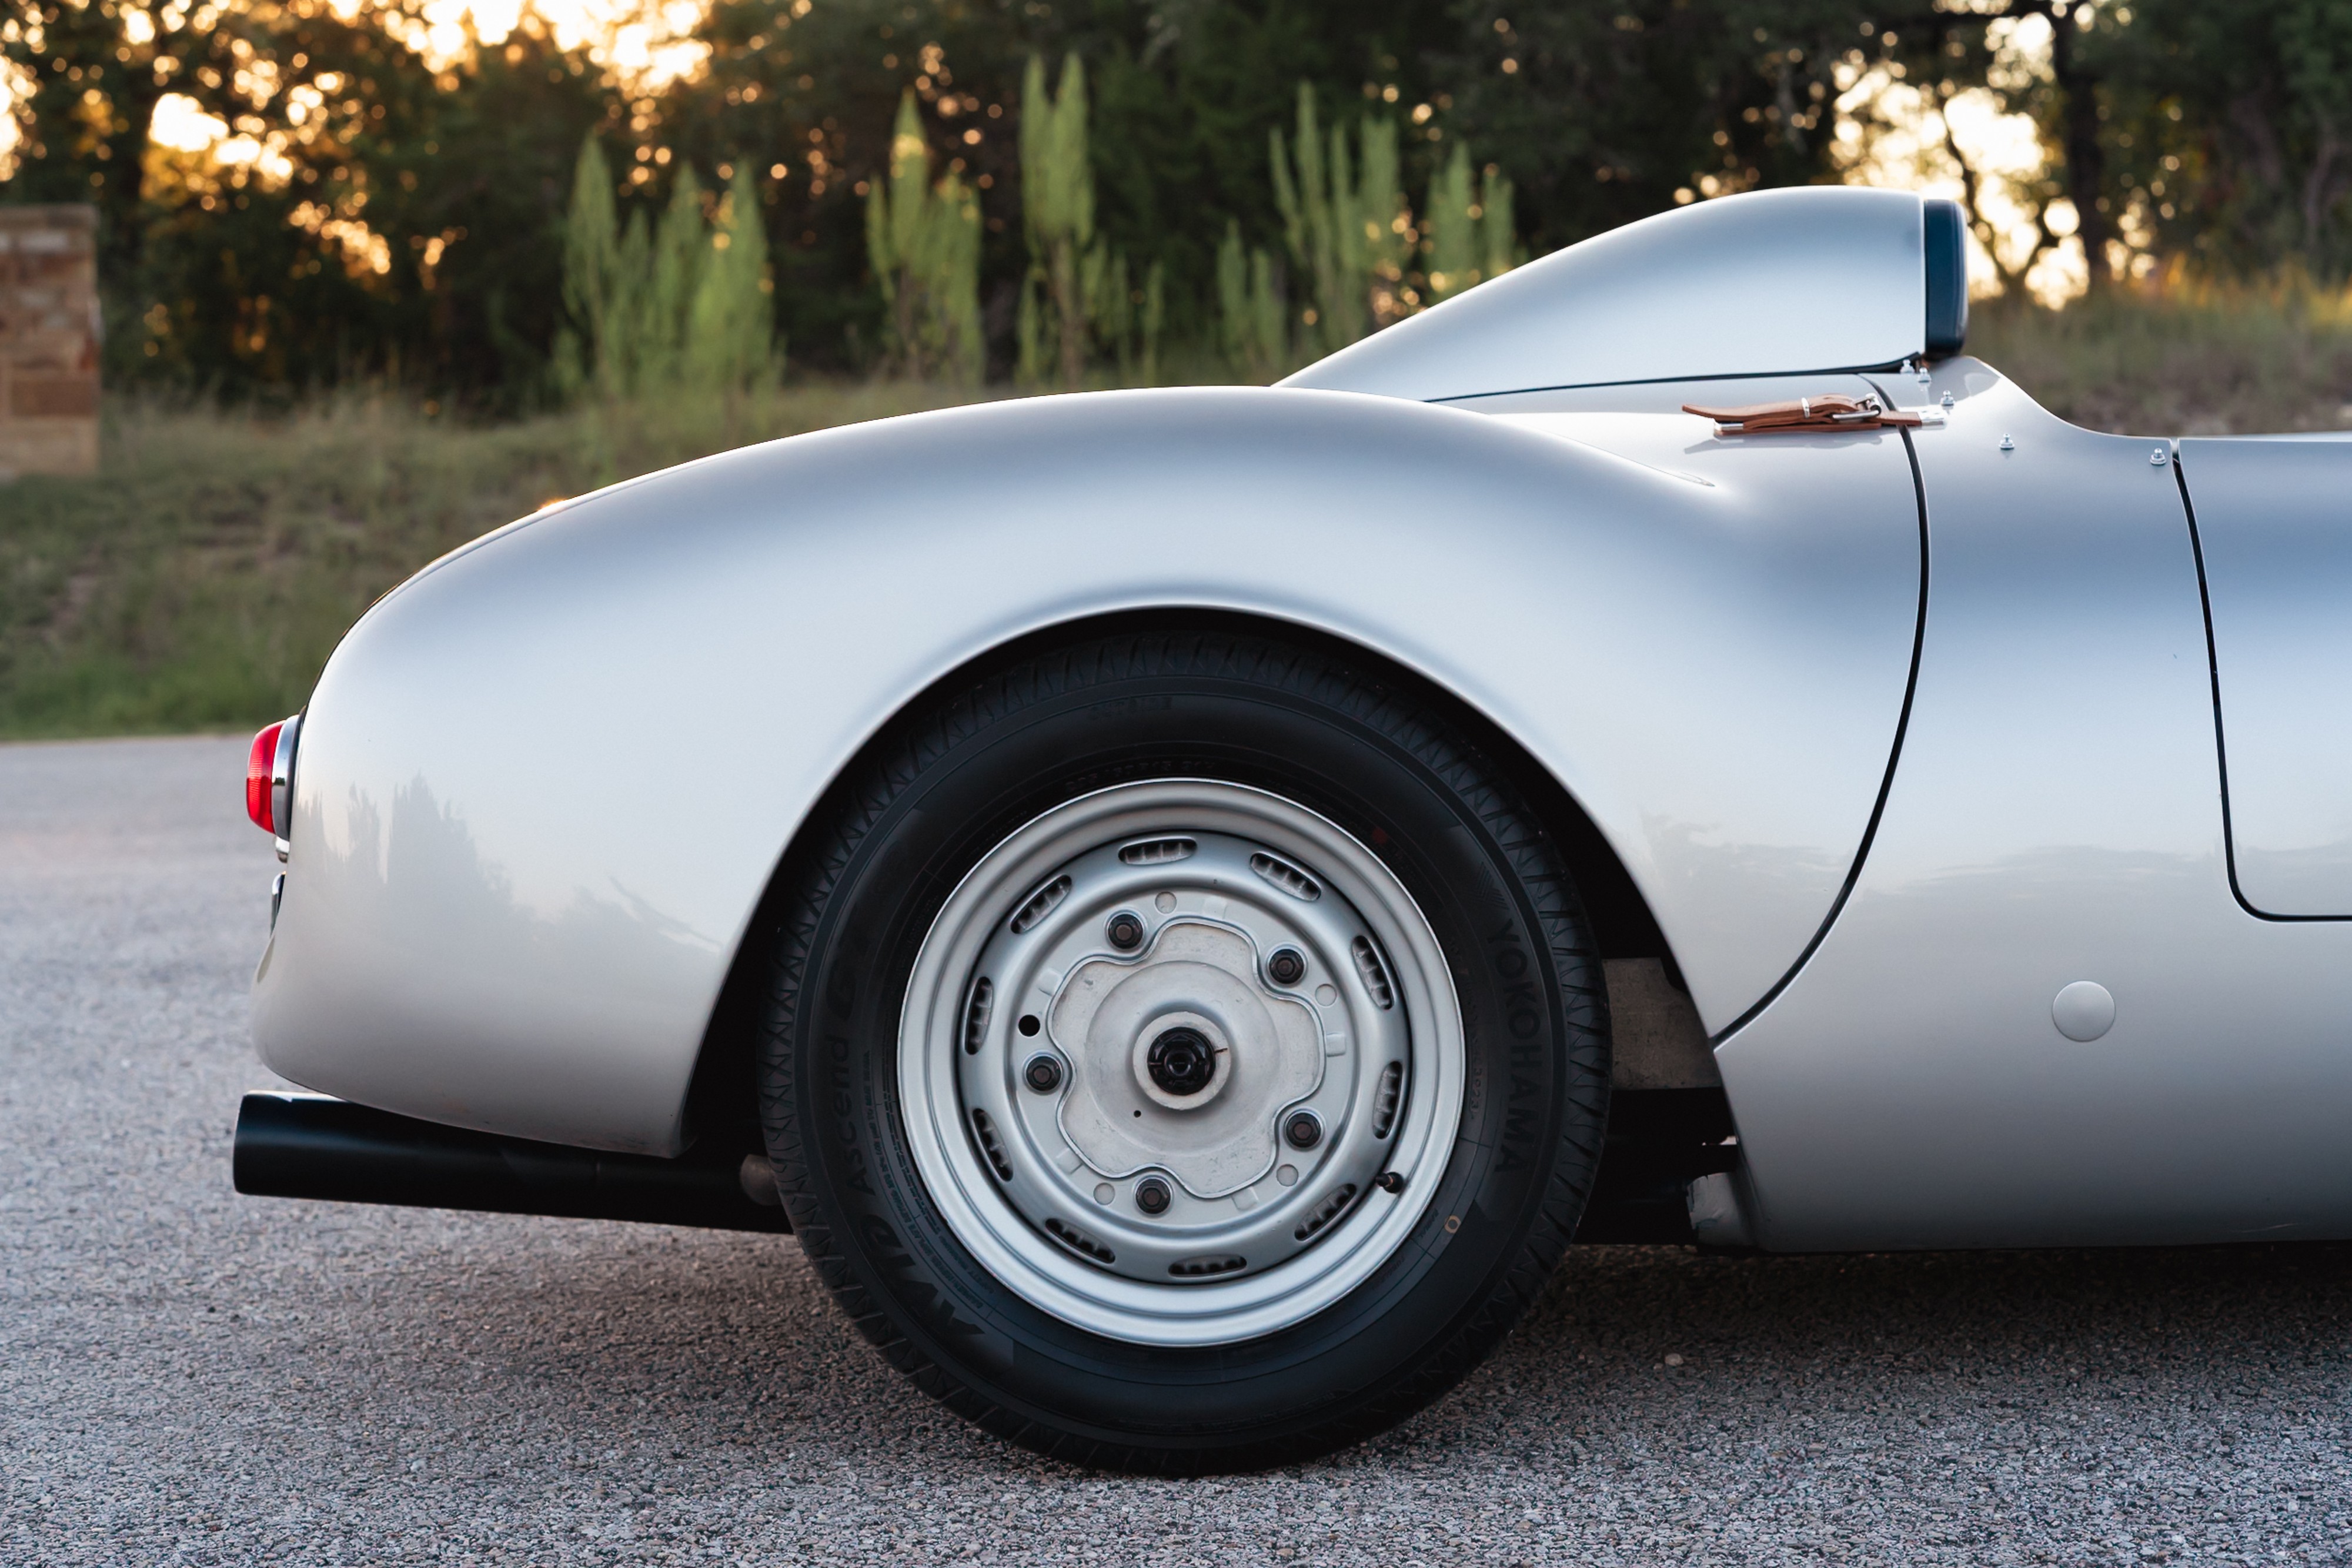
202	579
2182	360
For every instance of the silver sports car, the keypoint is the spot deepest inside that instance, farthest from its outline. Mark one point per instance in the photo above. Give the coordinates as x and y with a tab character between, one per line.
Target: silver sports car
1187	902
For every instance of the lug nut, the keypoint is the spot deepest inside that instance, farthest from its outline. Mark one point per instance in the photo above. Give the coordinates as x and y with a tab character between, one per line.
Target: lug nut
1302	1129
1043	1073
1286	968
1152	1195
1125	931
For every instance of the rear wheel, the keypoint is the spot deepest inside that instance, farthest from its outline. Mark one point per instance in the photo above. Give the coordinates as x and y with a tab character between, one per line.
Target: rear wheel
1182	1053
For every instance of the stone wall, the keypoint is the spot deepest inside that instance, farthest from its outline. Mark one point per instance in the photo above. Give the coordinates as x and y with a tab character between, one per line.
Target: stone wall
48	341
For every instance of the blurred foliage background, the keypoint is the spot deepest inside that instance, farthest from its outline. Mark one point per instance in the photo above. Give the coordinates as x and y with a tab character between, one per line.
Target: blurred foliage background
380	274
304	194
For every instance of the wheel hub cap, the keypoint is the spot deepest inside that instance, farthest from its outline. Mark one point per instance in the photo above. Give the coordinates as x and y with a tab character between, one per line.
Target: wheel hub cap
1181	1059
1171	1057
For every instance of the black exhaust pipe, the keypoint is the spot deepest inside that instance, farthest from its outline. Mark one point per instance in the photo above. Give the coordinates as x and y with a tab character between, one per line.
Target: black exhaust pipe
309	1146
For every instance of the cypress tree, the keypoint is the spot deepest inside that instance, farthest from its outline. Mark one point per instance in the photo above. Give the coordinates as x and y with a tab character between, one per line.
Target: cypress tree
923	240
592	266
1345	218
679	247
1057	200
1498	225
731	338
1470	237
1453	220
1253	318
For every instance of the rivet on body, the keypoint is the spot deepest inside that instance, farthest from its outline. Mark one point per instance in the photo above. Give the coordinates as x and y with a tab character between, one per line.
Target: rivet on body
2084	1010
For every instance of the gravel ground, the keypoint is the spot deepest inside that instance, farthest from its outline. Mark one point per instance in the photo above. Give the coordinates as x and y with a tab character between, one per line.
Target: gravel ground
191	1377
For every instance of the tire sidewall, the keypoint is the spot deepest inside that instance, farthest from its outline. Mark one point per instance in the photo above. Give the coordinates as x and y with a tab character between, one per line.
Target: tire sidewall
1503	916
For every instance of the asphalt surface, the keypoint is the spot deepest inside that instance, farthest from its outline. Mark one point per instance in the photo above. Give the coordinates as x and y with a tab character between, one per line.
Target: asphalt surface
187	1376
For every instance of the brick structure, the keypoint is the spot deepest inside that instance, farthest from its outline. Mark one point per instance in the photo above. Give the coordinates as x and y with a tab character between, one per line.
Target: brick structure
48	341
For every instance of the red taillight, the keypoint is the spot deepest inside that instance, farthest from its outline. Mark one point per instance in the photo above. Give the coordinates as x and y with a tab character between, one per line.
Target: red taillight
260	766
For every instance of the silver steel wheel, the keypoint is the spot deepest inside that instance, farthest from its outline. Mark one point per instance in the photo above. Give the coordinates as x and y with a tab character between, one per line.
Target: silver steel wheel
1181	1061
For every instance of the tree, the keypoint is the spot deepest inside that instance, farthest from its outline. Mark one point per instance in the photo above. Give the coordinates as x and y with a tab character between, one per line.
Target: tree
588	351
2078	136
2229	132
1122	319
368	219
1347	223
96	71
1057	202
730	329
1470	235
1600	115
657	309
1253	315
923	240
398	218
1978	47
678	251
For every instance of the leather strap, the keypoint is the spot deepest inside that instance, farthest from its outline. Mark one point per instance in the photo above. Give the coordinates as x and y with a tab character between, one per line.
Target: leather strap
1832	410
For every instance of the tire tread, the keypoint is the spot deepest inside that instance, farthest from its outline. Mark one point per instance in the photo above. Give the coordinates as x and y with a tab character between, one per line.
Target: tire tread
932	732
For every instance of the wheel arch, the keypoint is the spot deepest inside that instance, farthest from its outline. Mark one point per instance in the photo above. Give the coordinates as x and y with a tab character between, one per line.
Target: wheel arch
722	1094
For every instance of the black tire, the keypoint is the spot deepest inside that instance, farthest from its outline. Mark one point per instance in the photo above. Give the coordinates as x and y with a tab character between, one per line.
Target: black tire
951	779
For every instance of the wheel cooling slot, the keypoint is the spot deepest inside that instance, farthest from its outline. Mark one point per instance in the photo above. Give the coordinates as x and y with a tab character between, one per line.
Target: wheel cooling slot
1386	1099
1375	973
1204	1267
975	1016
1287	877
1041	904
1329	1210
1079	1241
1159	851
990	1144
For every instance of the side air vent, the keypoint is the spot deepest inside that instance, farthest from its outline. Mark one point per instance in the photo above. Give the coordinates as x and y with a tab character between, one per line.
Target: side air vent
1288	878
1329	1210
1385	1102
1041	904
1203	1268
975	1016
1159	851
990	1144
1079	1241
1375	973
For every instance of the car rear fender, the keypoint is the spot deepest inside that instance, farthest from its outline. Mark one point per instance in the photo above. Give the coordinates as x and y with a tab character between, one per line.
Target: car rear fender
544	784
